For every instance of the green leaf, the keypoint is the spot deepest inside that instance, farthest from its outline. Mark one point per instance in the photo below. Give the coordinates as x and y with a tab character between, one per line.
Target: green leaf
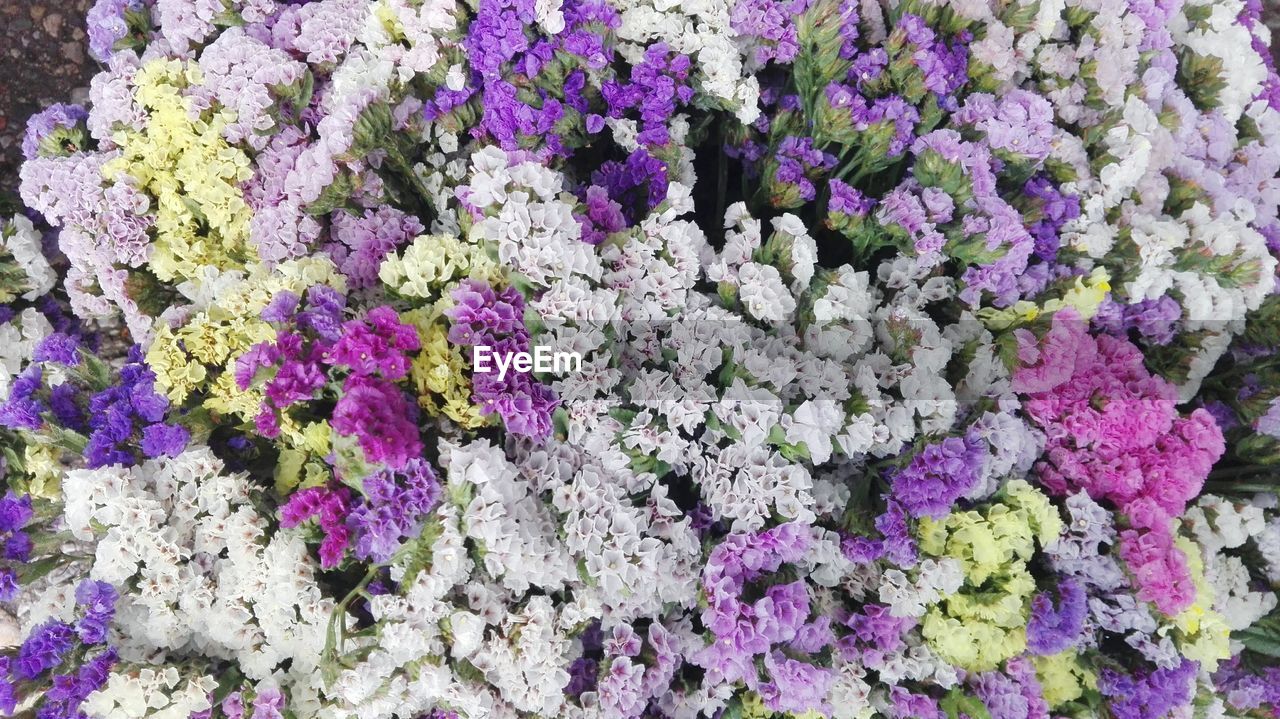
957	705
1263	637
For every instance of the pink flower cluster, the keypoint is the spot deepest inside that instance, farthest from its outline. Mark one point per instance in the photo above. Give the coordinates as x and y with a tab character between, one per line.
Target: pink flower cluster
1114	430
330	507
314	346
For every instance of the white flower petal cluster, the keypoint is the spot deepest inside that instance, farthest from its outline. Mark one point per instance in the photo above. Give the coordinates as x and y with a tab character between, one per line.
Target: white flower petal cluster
210	577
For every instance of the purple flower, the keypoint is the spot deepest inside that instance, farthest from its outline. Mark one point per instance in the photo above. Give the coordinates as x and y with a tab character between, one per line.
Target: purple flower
1051	630
323	315
638	185
1150	696
164	440
582	677
64	401
23	409
1056	209
1014	693
9	586
58	347
362	241
99	602
394	507
119	412
43	649
281	308
848	200
603	218
780	613
46	123
905	705
15	511
375	345
939	475
295	381
482	317
375	412
107	24
68	691
268	704
794	686
330	507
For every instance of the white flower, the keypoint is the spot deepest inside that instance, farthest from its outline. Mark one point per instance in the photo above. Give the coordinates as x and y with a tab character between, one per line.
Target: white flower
814	423
763	293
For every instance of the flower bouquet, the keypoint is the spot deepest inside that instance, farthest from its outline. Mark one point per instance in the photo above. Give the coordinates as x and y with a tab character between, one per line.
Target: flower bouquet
725	359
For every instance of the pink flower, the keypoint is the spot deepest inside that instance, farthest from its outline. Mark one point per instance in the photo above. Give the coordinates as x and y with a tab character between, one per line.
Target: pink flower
375	412
1114	430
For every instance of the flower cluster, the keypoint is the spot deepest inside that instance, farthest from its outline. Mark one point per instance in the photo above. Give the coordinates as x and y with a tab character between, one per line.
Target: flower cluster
923	363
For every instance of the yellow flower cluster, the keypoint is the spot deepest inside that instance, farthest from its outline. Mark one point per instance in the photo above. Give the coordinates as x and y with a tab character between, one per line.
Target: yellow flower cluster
303	465
984	623
434	263
200	355
1085	295
752	706
43	466
1200	632
1063	678
180	159
426	271
439	373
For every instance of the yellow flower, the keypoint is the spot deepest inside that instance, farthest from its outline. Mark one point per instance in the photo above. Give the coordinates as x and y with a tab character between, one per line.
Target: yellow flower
1063	678
1200	632
983	623
753	707
434	263
216	337
176	374
438	371
181	160
44	471
1020	313
1085	295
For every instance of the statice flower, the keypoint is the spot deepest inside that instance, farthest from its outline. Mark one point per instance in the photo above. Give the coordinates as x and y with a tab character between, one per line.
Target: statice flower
1133	449
913	338
1150	696
393	507
483	317
52	130
939	475
121	413
108	23
1054	629
330	507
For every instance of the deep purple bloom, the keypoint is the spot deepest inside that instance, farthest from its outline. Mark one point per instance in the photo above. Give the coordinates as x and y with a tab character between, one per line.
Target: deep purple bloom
58	347
23	409
1150	696
330	508
98	599
43	649
375	345
375	412
164	440
15	511
281	308
394	506
9	587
